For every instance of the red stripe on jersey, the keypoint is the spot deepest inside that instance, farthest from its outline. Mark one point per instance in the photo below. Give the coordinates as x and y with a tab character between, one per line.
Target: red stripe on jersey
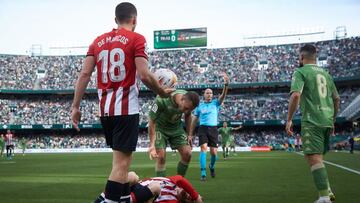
102	102
112	103
125	101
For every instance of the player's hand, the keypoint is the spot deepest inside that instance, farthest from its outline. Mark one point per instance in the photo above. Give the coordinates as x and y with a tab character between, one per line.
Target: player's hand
226	78
164	93
152	153
190	140
198	200
288	128
75	118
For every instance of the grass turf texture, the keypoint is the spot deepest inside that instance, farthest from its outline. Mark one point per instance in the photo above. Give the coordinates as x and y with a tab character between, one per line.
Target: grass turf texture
249	177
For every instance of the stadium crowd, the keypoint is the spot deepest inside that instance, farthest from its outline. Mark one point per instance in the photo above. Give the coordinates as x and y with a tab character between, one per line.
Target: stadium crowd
192	66
55	110
243	138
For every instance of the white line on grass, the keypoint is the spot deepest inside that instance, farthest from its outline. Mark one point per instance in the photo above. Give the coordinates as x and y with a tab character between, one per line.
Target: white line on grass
8	162
337	165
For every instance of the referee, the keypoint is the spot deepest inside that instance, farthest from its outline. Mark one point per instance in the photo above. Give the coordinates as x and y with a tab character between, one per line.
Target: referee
208	112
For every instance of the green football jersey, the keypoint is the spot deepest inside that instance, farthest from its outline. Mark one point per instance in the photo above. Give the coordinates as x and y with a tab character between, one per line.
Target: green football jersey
225	133
165	112
317	89
22	142
2	141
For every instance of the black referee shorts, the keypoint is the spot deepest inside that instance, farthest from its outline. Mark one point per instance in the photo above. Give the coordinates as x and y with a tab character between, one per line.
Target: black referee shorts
209	135
121	132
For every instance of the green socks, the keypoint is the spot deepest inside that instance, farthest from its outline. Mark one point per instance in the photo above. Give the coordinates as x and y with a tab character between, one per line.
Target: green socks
321	179
182	168
161	173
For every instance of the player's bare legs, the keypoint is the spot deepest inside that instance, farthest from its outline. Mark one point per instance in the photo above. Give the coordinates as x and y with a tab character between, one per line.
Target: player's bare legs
119	173
160	163
213	153
319	173
120	166
185	153
203	150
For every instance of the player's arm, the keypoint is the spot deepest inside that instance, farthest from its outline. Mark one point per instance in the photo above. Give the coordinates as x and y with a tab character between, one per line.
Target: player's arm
81	84
186	185
237	128
194	120
154	114
142	68
225	89
297	86
336	100
188	120
148	77
152	137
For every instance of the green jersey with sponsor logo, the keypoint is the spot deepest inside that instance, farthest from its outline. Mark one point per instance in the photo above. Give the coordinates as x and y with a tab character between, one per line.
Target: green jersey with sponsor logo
317	89
166	114
225	134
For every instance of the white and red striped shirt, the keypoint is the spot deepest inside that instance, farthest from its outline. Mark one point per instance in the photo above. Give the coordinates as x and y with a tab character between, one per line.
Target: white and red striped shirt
115	54
9	139
168	188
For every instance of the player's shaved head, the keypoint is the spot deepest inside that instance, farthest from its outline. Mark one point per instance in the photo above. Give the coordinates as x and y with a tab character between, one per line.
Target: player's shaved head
208	94
124	12
308	51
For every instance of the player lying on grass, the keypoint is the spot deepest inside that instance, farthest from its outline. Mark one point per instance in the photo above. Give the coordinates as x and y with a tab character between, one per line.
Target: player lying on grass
171	189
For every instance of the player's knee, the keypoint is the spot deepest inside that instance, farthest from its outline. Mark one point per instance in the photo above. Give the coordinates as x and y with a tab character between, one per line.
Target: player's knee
155	188
186	156
133	178
161	160
313	159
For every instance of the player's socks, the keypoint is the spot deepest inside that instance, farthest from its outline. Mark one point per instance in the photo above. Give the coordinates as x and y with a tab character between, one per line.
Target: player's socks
161	173
125	197
213	159
321	179
114	191
224	153
182	168
203	163
100	199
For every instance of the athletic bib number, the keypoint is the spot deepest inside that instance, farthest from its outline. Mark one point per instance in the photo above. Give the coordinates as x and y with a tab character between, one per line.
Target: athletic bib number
322	86
117	59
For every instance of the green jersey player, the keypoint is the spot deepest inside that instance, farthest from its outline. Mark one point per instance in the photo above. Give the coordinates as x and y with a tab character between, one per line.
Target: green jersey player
2	144
165	128
22	144
226	138
315	90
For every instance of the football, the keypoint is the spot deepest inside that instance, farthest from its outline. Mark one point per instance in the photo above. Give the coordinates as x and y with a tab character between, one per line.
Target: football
166	78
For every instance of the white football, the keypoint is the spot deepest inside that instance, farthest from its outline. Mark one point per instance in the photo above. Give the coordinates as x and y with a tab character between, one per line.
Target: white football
166	78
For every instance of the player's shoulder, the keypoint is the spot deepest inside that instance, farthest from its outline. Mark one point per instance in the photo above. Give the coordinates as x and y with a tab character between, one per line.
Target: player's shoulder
161	101
138	35
178	91
131	34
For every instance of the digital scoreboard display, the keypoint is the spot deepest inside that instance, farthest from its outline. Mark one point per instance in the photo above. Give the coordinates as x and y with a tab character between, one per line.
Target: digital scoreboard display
180	38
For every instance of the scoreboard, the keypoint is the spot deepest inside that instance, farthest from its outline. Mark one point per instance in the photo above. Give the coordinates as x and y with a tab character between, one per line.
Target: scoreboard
180	38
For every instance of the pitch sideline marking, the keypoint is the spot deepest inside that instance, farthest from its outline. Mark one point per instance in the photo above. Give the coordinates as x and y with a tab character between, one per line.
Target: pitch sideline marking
336	165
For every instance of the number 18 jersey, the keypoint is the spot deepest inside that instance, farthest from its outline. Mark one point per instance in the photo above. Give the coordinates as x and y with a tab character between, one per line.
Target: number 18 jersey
115	54
317	89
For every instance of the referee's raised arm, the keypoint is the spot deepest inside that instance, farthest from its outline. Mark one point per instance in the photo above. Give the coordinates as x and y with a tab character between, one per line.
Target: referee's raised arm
225	90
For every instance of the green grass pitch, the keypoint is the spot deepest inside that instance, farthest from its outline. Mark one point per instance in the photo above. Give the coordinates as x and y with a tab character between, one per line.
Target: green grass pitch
249	177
